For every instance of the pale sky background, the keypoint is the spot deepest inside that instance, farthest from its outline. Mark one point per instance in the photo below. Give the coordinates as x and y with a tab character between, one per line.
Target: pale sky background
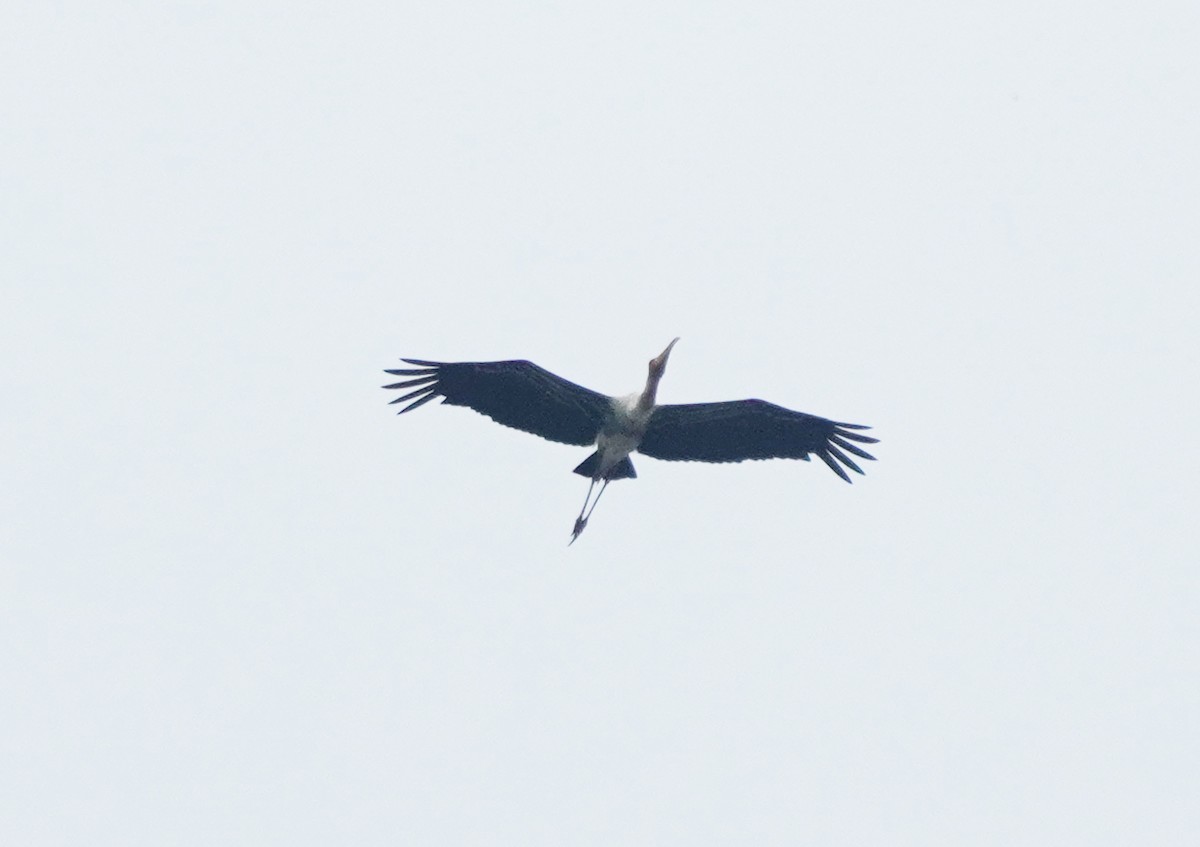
242	603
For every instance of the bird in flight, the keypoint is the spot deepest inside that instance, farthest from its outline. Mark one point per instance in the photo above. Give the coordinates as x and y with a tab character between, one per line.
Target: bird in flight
524	396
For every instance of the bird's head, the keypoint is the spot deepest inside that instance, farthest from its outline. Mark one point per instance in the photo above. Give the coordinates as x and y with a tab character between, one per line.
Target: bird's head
658	365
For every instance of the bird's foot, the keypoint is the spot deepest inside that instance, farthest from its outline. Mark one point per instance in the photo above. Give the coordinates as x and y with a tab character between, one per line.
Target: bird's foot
580	525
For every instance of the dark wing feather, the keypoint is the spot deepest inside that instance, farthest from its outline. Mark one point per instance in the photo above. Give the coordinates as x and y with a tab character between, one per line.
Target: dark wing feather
751	429
516	393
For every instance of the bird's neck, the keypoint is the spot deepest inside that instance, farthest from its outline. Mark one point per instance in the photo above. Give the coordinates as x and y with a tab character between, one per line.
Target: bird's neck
649	396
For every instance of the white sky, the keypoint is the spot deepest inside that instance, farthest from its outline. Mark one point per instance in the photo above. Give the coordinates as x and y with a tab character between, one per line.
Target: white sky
243	603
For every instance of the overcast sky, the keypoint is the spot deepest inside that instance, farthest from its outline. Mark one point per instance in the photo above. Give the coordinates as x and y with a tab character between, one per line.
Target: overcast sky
241	602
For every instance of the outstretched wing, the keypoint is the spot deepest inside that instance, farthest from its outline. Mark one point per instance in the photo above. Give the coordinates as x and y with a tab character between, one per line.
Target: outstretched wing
516	393
750	429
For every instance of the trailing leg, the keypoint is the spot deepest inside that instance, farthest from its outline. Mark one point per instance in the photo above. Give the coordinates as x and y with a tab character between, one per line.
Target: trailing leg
581	521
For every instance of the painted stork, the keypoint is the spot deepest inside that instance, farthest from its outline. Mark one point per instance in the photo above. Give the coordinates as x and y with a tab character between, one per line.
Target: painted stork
524	396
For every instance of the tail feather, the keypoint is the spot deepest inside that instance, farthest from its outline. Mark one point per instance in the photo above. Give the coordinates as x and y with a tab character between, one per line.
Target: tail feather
621	470
588	466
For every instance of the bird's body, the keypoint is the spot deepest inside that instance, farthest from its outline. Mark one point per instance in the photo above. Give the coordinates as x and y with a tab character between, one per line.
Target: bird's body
612	449
522	395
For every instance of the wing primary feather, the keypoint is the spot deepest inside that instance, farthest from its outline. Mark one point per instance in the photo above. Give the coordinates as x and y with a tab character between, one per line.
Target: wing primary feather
833	466
854	436
843	458
424	380
411	371
412	394
423	363
846	445
835	423
414	405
